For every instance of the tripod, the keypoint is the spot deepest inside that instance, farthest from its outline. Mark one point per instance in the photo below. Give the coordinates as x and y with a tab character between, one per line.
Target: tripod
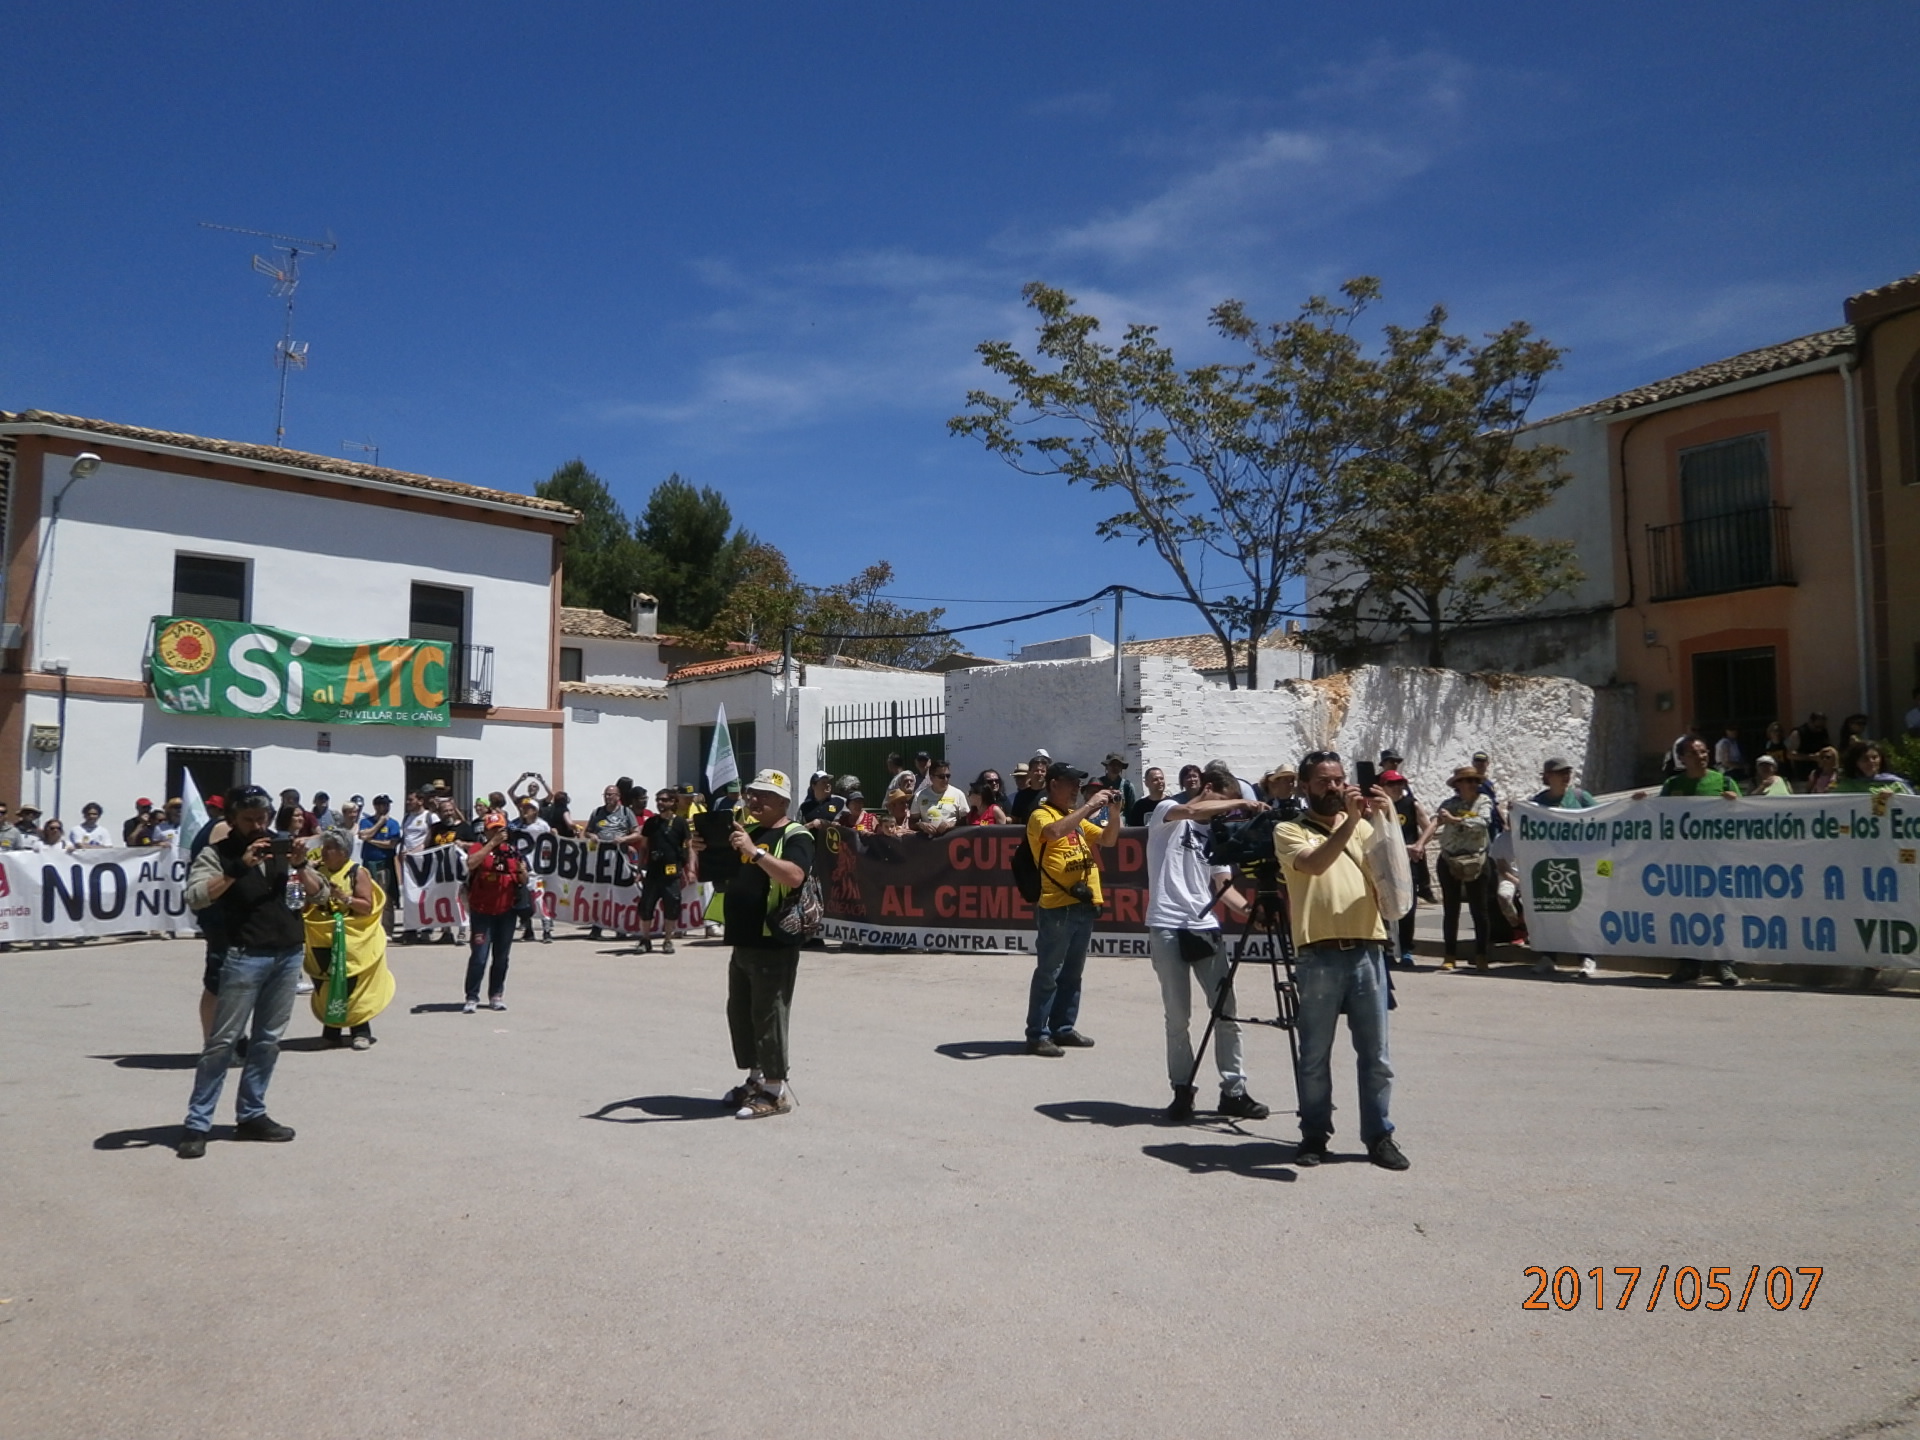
1267	919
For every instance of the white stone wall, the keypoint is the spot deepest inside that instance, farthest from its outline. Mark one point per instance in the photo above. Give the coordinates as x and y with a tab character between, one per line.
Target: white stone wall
1172	715
617	662
610	736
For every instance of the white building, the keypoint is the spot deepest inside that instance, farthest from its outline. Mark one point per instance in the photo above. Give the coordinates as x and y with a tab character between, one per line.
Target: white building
172	524
613	687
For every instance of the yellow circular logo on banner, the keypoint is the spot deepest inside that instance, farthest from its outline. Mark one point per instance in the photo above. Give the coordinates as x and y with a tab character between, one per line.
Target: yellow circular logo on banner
186	647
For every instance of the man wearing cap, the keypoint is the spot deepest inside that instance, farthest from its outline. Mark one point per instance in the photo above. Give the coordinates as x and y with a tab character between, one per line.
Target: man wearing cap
1767	779
823	803
1560	793
243	876
1184	940
1340	937
138	821
664	836
1061	837
776	857
1116	779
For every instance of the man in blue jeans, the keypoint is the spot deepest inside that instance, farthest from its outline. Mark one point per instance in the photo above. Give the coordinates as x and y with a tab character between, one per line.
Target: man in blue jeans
244	877
1062	838
1340	944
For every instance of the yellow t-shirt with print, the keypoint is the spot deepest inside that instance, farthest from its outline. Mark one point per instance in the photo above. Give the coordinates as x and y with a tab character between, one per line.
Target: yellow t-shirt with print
1065	862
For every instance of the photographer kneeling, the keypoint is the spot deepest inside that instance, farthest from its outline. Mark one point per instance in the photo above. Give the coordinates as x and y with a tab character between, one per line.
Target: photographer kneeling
1184	938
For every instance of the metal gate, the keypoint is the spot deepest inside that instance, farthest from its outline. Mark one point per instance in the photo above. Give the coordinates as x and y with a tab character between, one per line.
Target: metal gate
857	738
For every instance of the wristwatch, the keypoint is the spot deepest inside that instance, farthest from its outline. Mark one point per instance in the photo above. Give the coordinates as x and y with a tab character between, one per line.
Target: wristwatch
761	853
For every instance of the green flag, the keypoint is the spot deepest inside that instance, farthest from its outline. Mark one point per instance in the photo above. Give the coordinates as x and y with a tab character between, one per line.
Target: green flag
258	672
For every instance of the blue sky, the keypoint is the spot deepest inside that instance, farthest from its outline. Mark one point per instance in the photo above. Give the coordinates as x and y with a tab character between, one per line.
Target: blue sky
757	243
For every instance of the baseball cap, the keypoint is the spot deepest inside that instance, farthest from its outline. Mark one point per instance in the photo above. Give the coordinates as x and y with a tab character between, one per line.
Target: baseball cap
1481	755
1392	777
143	803
773	782
1768	761
1554	766
1061	770
494	820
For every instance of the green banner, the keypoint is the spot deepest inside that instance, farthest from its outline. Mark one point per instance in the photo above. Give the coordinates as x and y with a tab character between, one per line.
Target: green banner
229	667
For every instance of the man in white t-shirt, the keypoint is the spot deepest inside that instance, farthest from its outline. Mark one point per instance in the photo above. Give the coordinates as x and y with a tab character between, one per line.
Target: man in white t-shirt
938	805
1184	939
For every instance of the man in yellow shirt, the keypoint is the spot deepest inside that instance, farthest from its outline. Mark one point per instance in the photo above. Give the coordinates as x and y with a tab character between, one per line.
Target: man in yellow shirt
1340	940
1062	837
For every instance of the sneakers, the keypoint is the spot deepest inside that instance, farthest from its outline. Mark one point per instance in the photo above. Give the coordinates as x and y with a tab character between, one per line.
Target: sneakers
1407	961
469	1007
546	937
193	1144
363	1042
1041	1045
666	947
303	986
1449	963
1723	972
593	933
1588	967
262	1127
1688	972
739	1095
1181	1110
645	947
1312	1150
1480	962
1384	1153
498	1002
761	1104
1242	1106
1543	966
1073	1040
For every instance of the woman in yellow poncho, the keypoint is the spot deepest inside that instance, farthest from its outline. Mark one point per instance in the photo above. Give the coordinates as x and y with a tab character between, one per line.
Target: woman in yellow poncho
353	896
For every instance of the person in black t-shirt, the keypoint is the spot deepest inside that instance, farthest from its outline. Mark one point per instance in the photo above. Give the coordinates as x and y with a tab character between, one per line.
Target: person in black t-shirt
822	806
664	837
776	857
1142	809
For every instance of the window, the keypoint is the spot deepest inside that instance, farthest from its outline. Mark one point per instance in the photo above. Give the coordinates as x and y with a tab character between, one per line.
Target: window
214	771
423	770
1735	687
1726	495
744	757
572	664
438	612
208	588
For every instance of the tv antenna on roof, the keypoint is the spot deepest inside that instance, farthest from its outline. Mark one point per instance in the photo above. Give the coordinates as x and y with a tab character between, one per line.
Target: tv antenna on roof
369	446
289	354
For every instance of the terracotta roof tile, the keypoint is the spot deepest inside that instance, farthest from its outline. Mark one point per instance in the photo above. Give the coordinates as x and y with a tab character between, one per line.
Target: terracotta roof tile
582	620
1203	651
298	459
613	692
731	665
1783	356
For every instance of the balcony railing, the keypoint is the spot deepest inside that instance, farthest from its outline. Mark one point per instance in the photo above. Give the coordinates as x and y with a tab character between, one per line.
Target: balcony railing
470	674
1741	550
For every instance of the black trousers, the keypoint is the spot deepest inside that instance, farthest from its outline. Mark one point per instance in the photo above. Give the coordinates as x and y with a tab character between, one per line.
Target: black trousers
1475	893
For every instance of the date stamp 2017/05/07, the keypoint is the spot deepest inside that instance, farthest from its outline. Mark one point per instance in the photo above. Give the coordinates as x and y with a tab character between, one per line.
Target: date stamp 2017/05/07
1564	1289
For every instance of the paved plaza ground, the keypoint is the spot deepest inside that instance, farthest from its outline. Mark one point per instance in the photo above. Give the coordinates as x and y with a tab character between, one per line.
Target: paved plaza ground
539	1223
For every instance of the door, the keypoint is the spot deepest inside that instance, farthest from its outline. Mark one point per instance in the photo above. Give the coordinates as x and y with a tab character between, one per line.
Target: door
214	771
423	770
1736	687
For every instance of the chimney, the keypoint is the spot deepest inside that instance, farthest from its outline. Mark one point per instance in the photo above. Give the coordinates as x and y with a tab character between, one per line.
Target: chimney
1293	627
645	616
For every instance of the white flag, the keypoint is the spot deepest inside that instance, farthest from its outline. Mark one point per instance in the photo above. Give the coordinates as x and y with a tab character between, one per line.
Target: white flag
721	766
193	811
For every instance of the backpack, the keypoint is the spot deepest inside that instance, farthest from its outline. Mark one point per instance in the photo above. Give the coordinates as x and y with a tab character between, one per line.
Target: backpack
1026	872
802	909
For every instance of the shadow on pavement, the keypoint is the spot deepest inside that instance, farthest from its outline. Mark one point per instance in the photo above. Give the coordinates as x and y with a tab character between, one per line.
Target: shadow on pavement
449	1007
149	1137
980	1049
1110	1113
1257	1160
152	1062
656	1108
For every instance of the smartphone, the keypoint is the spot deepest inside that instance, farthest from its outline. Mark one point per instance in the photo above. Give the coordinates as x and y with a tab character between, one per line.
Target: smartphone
280	847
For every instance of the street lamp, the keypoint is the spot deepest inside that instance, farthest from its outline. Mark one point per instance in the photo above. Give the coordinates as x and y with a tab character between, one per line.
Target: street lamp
84	465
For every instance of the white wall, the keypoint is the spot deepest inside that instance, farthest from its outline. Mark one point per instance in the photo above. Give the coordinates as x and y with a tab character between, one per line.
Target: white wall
618	662
997	715
116	750
608	736
1172	716
330	567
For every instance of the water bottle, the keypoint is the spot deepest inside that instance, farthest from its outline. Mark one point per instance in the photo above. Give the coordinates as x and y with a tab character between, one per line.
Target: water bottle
296	893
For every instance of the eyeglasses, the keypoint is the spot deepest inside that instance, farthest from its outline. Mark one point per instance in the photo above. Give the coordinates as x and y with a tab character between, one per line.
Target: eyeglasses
943	774
1318	757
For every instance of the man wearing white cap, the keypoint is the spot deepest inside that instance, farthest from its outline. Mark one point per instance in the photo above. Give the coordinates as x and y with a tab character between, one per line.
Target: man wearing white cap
776	856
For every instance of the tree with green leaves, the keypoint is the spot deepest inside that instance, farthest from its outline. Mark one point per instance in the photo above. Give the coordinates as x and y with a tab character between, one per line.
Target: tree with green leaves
1425	536
603	558
856	608
1232	463
692	557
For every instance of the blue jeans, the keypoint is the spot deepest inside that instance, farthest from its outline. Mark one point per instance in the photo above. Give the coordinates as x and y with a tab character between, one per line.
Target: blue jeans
1060	950
492	935
1331	980
256	985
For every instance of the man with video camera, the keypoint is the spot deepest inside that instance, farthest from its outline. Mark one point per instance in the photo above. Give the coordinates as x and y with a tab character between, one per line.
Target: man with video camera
1184	880
1061	838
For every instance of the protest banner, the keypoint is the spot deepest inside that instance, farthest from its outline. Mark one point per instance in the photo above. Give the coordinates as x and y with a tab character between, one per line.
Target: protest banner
56	895
1804	879
258	672
576	882
955	892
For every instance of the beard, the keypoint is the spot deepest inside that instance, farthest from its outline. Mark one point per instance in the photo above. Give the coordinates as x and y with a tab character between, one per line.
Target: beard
1328	802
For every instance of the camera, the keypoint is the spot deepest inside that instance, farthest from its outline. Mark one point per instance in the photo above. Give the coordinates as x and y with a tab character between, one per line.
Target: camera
1081	891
